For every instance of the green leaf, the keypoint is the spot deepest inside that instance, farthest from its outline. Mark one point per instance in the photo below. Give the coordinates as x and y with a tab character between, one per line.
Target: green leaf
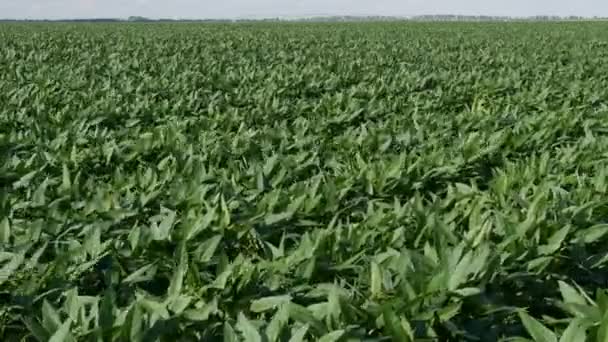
72	304
602	301
229	333
278	323
570	294
39	197
133	328
37	330
134	237
295	205
154	308
332	336
534	210
195	228
25	180
574	333
467	292
555	241
33	261
66	183
376	280
106	313
92	242
582	311
602	331
449	311
179	303
276	218
5	231
270	164
177	280
145	273
536	329
221	280
269	303
63	333
459	275
301	314
203	313
592	234
249	331
166	224
50	318
394	327
298	335
209	247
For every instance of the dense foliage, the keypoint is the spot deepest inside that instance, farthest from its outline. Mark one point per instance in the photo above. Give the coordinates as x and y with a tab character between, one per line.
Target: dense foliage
319	182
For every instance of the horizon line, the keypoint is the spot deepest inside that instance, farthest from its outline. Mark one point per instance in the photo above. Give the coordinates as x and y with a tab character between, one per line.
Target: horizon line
309	16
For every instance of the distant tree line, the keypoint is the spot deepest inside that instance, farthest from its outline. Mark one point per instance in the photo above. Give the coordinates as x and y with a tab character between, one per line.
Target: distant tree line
85	20
451	17
440	17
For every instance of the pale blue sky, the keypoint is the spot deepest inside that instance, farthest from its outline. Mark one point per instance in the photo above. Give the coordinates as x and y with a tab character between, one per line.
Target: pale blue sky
265	8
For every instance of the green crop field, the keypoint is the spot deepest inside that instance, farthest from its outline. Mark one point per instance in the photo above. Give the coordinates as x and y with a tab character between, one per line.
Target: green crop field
304	182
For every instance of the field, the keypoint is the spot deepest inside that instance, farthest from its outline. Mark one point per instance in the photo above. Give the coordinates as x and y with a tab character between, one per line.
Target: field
304	182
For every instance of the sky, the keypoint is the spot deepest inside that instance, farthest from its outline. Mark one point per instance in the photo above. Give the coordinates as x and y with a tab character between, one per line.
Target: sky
54	9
